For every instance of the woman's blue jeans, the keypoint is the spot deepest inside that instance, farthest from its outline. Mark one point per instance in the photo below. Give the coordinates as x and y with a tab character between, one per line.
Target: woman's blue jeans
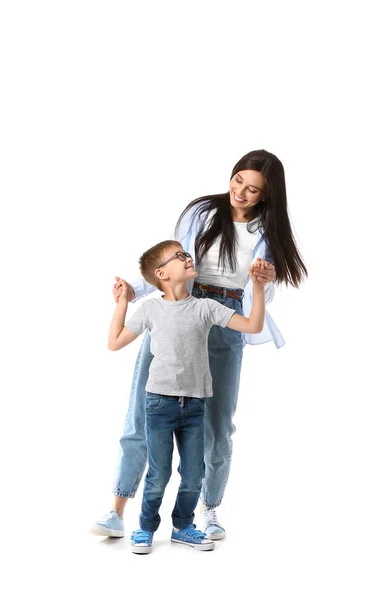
225	358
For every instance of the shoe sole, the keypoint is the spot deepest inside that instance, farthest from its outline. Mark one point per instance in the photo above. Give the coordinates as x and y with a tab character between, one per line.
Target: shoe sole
141	549
204	547
101	530
216	536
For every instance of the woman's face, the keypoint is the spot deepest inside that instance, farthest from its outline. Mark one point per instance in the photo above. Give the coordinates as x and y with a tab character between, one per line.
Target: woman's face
247	188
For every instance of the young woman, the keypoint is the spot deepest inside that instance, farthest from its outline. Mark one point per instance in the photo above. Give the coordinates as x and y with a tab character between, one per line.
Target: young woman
224	233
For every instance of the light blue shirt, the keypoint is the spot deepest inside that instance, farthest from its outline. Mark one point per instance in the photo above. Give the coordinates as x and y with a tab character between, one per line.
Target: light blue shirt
186	236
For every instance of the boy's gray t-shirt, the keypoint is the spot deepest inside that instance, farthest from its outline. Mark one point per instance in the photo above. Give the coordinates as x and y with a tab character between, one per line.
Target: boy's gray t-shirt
179	332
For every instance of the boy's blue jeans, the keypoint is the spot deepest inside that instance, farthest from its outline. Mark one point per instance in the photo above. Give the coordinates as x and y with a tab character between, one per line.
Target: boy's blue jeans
225	357
166	417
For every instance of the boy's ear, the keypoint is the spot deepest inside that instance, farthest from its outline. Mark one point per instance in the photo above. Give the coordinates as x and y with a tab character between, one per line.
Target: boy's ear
159	273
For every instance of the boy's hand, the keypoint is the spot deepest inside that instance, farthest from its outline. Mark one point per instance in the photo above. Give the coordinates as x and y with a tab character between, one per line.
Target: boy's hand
263	270
257	272
122	289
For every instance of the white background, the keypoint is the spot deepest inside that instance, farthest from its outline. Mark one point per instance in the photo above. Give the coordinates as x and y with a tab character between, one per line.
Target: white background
114	116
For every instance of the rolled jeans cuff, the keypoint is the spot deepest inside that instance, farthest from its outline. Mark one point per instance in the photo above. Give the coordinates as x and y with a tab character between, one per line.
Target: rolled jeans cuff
149	525
181	523
123	494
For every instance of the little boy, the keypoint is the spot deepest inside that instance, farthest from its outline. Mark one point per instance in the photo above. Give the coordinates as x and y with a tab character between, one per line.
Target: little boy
178	383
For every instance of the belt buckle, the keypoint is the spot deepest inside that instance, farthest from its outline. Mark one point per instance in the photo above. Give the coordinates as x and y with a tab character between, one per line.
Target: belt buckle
201	287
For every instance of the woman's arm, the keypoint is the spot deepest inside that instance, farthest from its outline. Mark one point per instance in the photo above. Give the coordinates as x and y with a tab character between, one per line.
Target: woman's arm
269	287
137	289
140	287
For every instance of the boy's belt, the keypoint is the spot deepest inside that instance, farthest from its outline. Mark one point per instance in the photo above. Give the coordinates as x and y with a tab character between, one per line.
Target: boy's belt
221	291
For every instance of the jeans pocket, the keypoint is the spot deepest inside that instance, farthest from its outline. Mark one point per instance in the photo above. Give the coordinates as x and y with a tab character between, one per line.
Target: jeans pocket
153	402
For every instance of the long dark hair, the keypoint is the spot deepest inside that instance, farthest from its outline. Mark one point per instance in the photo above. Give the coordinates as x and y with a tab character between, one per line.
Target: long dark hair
272	214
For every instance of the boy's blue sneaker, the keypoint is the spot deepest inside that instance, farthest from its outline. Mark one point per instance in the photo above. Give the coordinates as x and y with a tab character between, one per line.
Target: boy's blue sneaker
212	526
110	525
190	536
142	541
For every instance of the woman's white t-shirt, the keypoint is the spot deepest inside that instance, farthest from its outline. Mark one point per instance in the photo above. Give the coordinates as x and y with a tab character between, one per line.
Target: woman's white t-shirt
208	270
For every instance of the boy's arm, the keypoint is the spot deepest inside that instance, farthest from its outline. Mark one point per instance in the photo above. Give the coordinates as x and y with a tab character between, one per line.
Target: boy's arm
268	273
119	336
255	322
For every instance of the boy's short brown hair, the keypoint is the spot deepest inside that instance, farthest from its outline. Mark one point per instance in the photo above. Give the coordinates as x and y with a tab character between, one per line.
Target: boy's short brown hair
151	259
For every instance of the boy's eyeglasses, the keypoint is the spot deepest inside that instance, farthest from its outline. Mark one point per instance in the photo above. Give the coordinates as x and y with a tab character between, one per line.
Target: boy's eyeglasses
180	255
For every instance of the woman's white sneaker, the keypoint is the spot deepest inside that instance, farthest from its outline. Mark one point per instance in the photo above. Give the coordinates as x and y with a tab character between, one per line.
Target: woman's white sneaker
110	525
212	526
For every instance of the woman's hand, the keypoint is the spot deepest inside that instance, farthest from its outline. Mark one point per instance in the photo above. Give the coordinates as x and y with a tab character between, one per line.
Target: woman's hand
122	289
252	272
263	271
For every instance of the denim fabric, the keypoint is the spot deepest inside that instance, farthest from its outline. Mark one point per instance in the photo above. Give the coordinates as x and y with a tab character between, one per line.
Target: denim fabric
167	417
132	455
225	358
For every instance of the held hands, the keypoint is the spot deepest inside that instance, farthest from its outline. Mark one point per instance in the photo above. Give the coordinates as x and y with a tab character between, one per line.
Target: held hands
122	289
261	272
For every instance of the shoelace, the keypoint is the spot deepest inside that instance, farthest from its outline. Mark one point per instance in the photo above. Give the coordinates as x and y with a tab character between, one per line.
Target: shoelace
142	537
108	515
193	532
211	517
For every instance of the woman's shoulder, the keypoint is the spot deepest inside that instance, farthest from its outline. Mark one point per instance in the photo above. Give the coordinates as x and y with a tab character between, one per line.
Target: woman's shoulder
192	217
194	210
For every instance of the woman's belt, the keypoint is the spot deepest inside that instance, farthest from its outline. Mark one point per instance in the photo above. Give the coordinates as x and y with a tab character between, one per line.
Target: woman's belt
221	291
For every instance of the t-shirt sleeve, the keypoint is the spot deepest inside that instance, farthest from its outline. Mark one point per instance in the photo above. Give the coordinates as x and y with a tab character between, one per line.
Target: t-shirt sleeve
219	314
138	322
